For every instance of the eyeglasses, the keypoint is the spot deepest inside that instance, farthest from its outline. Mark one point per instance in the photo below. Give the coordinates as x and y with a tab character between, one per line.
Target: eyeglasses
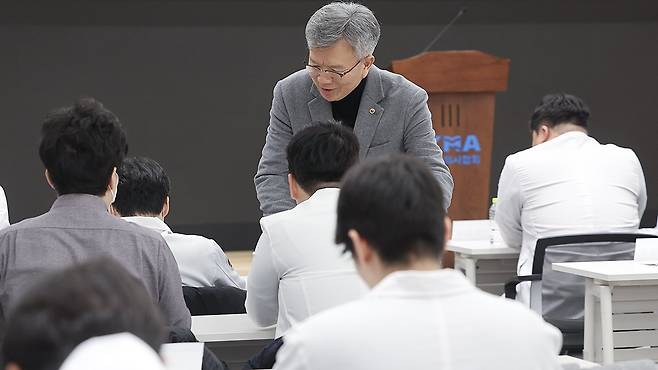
315	71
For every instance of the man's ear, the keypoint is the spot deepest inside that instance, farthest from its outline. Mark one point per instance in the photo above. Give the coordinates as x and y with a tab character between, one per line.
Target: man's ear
114	181
165	208
49	180
448	230
363	252
293	186
369	61
541	134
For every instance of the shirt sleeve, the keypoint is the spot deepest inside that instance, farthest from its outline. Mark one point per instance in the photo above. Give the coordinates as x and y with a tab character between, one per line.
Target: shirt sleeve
420	142
271	178
262	302
508	206
4	211
226	274
171	301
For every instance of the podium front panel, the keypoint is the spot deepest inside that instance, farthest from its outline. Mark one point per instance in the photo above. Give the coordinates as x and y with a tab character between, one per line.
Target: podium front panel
463	123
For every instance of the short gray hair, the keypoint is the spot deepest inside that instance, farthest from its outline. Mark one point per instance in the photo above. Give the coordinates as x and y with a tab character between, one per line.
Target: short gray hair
350	21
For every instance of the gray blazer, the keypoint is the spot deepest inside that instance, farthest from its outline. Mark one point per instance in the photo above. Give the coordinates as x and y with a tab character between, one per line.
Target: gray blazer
393	118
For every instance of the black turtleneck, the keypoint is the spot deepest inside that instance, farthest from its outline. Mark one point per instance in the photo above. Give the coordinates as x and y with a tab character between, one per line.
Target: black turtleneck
346	109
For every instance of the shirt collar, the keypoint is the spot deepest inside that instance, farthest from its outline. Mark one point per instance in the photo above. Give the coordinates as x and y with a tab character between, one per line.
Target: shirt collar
100	351
323	195
413	284
148	222
567	136
87	201
571	134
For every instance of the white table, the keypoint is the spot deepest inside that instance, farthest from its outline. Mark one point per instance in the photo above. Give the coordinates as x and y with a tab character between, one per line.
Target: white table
621	309
233	338
223	328
182	356
488	266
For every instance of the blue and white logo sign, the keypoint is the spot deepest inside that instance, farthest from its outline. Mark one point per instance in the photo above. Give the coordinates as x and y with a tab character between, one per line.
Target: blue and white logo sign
459	149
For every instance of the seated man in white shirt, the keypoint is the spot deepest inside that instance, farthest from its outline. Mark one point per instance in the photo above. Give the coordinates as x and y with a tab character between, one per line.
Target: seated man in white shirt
417	315
297	269
4	212
566	183
143	199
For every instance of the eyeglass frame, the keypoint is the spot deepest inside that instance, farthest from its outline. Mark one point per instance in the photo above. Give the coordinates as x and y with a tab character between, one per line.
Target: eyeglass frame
339	74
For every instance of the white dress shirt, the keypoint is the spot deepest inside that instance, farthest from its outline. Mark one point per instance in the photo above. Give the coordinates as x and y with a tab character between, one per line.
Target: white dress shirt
4	211
568	185
423	320
201	261
122	351
297	269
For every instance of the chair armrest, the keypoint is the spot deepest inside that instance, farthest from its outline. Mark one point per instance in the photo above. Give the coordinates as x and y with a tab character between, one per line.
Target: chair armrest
510	286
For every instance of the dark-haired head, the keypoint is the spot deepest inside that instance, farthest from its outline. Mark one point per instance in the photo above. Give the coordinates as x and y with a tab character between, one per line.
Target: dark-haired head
394	206
319	156
70	306
81	146
143	188
556	114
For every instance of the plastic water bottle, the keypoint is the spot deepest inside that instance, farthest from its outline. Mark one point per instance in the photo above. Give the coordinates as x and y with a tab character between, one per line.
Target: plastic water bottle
493	227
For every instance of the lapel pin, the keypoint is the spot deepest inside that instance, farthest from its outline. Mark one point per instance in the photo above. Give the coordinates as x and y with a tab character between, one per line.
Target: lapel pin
371	110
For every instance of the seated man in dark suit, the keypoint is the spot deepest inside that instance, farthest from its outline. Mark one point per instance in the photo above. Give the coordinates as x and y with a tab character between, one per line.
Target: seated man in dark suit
81	148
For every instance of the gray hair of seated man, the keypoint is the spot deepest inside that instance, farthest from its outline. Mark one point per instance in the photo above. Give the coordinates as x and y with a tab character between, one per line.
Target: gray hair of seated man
350	21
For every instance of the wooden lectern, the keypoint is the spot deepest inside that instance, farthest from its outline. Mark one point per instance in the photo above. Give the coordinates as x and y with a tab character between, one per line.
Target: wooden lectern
461	86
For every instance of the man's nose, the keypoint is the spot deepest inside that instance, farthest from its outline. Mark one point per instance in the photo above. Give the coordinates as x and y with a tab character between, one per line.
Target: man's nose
323	78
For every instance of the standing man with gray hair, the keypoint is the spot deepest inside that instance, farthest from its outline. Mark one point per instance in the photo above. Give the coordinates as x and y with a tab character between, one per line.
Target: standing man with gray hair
387	113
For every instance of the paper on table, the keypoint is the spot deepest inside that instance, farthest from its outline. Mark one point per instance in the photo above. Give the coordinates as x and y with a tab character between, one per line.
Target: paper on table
471	230
182	356
646	249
